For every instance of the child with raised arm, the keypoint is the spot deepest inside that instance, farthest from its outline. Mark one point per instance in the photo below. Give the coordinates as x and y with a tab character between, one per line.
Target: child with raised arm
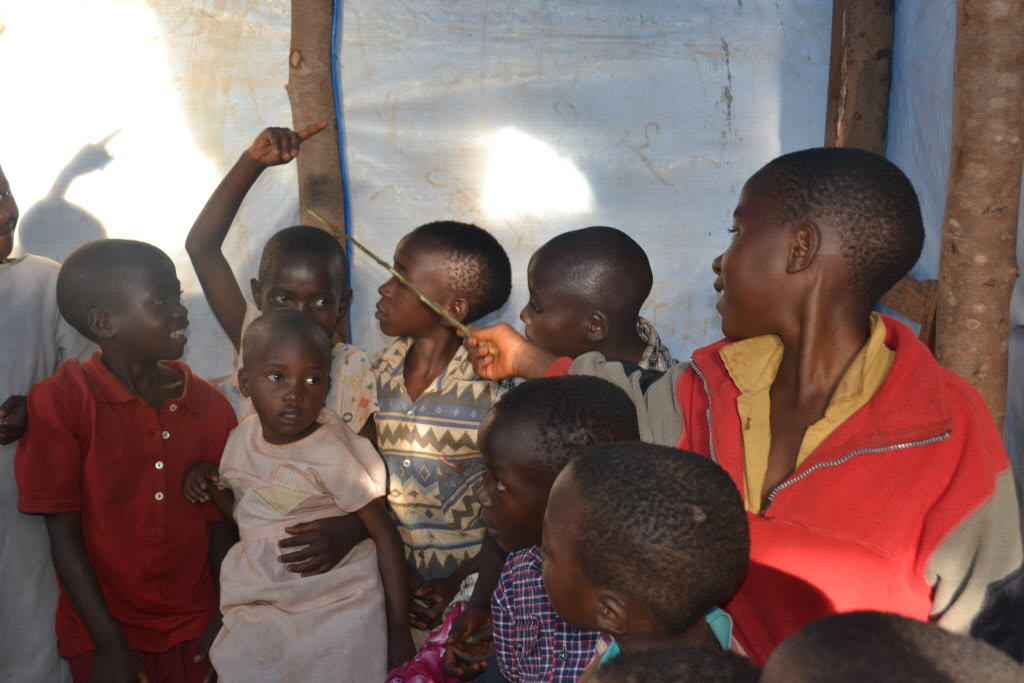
302	268
290	462
108	443
431	403
643	543
872	477
37	340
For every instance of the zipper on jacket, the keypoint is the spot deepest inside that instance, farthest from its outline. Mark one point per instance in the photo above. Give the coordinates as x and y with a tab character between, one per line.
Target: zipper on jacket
707	392
849	456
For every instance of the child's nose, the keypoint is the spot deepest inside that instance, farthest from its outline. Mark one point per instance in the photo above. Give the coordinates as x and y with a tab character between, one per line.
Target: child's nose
716	265
524	314
385	288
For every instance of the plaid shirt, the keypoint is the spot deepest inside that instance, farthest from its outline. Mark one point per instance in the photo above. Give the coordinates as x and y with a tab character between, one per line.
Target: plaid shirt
531	641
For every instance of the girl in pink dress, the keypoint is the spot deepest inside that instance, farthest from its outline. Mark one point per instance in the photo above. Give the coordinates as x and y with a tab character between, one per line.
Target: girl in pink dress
291	462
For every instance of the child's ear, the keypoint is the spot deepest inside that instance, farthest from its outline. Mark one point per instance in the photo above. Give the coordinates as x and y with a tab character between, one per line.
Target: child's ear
243	381
804	247
100	323
597	326
254	285
459	308
612	613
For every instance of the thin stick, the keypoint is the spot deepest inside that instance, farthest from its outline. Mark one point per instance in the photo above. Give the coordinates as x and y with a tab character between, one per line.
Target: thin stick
430	303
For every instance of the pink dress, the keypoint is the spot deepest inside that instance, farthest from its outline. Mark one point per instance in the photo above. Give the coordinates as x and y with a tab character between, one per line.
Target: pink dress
279	626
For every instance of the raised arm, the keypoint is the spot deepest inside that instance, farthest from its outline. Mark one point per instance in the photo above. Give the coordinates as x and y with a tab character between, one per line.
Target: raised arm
115	660
272	147
391	561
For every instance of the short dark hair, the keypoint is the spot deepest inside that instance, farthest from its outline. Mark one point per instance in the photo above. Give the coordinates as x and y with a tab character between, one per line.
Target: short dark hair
476	265
98	271
268	326
308	241
571	414
605	267
867	198
672	664
877	646
665	527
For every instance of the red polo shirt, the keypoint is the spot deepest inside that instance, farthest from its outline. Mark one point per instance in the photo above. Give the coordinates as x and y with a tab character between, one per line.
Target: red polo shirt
94	446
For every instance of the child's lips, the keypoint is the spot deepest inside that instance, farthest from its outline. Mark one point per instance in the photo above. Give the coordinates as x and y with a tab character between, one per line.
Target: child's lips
380	314
290	416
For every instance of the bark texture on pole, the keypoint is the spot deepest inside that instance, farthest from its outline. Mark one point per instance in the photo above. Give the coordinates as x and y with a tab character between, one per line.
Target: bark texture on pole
978	265
311	94
859	74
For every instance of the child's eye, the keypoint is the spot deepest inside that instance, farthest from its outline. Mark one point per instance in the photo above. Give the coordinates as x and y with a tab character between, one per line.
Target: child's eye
279	299
321	303
274	376
313	380
534	306
498	485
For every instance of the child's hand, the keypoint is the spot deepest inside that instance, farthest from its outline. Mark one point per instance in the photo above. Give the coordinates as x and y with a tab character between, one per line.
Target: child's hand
327	541
13	419
469	643
199	478
205	641
498	352
400	647
429	600
280	145
118	664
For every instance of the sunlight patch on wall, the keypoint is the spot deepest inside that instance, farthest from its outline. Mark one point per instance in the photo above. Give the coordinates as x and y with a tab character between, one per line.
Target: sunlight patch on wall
525	176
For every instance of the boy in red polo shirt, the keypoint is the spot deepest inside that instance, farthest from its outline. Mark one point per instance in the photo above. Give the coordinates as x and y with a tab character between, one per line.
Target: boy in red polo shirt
873	478
108	445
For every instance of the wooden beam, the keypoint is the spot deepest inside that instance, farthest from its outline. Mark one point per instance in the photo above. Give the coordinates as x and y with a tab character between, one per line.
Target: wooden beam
859	74
311	93
979	265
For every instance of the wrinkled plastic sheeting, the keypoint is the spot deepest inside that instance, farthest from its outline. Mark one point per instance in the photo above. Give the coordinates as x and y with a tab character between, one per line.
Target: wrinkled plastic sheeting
532	118
920	142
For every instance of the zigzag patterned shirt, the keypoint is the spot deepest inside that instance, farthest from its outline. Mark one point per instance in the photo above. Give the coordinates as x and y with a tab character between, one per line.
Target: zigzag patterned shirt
434	464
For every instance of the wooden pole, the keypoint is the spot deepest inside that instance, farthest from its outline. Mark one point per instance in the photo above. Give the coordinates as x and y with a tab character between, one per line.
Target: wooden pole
979	265
311	93
859	74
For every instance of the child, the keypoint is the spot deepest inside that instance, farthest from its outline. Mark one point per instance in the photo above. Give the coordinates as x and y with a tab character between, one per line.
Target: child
526	439
642	542
872	478
875	646
37	340
303	268
692	664
431	402
108	440
586	290
288	463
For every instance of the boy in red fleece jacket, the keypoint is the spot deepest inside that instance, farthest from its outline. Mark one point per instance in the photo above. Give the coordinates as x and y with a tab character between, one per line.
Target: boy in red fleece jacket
872	477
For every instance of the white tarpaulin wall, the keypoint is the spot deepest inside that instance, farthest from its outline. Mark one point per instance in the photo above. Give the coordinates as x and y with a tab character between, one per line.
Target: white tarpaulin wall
531	118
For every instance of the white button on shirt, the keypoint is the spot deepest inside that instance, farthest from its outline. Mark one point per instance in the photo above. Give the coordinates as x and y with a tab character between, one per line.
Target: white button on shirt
165	435
159	495
172	407
159	465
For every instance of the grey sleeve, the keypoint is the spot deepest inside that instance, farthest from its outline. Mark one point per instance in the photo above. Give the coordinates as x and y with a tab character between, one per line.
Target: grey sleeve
658	411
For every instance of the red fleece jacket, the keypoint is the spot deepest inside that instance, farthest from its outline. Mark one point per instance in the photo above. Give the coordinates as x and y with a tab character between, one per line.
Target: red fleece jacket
908	506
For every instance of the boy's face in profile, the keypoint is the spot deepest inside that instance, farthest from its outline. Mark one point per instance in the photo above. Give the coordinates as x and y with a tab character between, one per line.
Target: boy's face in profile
287	380
8	217
751	270
556	319
513	495
571	594
399	310
303	282
148	320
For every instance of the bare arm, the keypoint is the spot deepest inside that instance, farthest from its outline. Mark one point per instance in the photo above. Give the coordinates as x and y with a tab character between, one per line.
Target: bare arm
272	147
393	571
115	660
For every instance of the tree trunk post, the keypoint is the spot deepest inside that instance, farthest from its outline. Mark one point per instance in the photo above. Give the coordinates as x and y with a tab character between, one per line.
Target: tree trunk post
859	74
979	266
311	94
